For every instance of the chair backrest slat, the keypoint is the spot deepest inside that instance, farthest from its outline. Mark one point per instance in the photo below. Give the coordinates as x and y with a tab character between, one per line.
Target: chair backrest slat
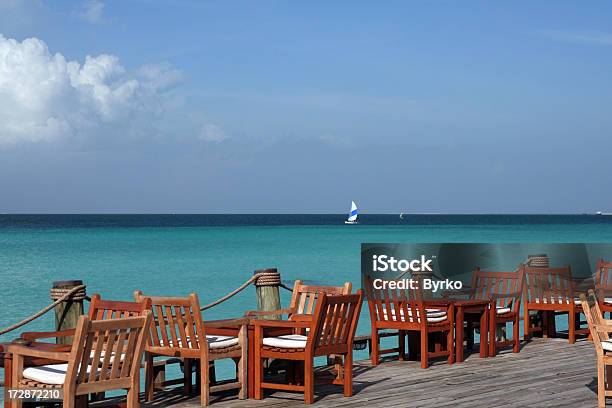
105	350
590	306
336	319
101	309
177	322
504	286
105	368
395	305
603	279
304	298
549	285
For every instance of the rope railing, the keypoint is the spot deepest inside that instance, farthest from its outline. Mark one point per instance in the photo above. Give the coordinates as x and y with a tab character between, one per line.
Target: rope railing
59	298
264	278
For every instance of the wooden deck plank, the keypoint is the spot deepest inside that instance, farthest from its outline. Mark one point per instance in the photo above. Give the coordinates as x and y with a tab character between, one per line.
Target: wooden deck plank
545	373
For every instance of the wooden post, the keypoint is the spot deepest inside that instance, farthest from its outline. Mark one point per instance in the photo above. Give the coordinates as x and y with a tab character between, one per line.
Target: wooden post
67	313
268	295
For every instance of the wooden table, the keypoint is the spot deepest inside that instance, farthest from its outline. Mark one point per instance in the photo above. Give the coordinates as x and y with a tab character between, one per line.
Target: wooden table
6	361
465	311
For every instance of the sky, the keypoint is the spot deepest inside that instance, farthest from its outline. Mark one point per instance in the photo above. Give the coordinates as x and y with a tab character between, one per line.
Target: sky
135	106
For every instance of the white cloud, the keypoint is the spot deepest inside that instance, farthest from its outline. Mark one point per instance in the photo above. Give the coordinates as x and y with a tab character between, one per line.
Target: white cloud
44	97
93	12
580	37
212	133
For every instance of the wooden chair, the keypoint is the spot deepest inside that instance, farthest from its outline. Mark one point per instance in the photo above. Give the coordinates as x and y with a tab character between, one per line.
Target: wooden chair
551	290
393	309
330	331
600	329
504	290
99	309
105	355
303	299
177	330
603	285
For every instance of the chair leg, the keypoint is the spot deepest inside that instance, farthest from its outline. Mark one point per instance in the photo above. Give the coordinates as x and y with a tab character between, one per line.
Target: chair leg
572	327
348	374
258	375
17	403
515	335
375	347
492	330
81	401
450	346
308	380
525	325
149	381
204	382
424	349
242	376
601	387
68	402
132	398
187	376
402	345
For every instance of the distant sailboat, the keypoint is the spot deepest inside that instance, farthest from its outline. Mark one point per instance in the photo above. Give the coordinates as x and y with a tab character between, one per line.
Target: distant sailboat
352	218
401	216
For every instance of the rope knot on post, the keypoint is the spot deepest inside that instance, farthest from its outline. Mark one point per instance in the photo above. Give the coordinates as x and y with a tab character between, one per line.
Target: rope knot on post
72	293
267	277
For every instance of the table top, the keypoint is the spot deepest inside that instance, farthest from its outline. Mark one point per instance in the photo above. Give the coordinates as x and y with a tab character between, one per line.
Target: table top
38	345
470	302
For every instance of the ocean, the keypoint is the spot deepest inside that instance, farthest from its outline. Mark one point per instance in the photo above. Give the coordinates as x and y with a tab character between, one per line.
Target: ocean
213	254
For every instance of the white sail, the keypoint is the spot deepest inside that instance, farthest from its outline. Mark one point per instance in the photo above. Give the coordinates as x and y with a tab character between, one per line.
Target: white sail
353	213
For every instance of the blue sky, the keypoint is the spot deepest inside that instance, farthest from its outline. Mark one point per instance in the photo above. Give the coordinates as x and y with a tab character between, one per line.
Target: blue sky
300	107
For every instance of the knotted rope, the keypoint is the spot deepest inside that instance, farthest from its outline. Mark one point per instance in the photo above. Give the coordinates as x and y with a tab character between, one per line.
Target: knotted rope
59	297
59	293
267	277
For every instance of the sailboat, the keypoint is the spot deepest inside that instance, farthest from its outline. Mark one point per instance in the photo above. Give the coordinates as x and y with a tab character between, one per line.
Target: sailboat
352	218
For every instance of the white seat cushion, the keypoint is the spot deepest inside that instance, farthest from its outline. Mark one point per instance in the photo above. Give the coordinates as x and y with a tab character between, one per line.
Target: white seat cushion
49	374
608	300
502	310
606	345
215	342
560	300
286	341
436	319
433	315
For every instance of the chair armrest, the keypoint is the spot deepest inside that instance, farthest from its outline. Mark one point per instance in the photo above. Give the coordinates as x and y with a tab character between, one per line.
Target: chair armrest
282	324
465	291
301	318
516	295
437	302
18	350
47	335
603	292
241	321
604	328
255	313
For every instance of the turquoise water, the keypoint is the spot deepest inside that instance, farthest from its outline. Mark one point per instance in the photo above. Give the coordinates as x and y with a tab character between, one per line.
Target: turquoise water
212	260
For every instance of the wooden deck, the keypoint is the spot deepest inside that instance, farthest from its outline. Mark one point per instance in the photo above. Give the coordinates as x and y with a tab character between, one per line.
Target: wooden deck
546	373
